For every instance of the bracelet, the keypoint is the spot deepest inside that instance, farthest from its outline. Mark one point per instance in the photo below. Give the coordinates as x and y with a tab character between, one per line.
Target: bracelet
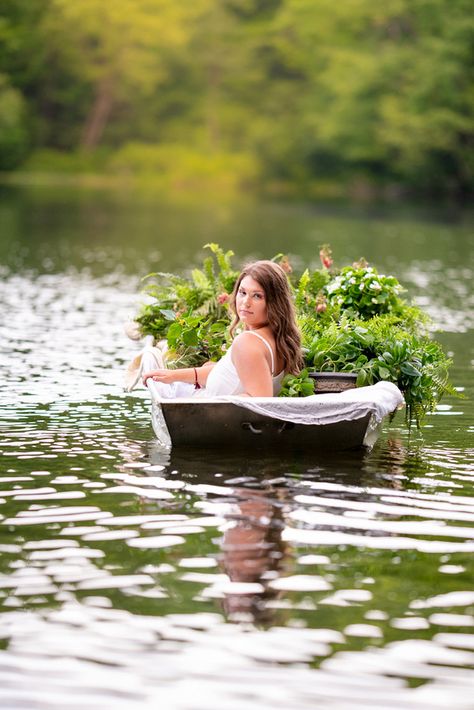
197	386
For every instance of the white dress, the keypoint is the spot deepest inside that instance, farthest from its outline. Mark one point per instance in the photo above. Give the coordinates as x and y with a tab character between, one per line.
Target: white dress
222	380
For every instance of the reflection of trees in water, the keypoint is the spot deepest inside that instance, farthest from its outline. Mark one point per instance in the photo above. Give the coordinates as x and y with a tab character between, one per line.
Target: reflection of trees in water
252	550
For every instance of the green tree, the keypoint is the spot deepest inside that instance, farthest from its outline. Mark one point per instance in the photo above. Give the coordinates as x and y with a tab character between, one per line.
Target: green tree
21	72
388	89
14	138
119	48
309	90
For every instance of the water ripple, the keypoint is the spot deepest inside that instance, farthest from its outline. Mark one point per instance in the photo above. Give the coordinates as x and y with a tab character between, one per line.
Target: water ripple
131	576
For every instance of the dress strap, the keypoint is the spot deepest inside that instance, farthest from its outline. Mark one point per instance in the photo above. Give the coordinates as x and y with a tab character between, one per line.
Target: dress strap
252	332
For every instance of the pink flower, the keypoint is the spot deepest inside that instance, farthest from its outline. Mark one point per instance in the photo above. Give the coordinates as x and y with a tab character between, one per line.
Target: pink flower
321	303
325	254
285	265
223	298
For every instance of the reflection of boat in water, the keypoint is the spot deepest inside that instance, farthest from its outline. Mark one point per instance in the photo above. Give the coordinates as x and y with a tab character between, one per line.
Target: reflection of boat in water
326	422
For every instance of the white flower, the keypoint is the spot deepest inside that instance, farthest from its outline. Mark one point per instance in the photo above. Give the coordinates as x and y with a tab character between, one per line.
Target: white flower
330	288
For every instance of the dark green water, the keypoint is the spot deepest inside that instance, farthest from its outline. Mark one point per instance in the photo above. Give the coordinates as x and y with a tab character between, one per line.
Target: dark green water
129	576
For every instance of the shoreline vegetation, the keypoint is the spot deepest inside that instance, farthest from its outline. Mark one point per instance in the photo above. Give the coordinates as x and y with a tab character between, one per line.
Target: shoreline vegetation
304	99
223	176
352	320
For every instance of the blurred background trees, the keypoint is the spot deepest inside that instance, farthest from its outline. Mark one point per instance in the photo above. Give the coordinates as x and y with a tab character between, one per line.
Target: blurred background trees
294	95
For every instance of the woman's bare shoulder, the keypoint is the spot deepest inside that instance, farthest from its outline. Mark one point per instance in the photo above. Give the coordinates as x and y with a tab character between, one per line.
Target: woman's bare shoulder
245	339
246	343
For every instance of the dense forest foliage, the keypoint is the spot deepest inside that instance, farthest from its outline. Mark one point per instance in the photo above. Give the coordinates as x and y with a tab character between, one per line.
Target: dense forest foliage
292	94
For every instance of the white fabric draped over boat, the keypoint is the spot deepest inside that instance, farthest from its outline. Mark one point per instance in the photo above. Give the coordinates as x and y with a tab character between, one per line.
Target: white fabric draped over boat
378	400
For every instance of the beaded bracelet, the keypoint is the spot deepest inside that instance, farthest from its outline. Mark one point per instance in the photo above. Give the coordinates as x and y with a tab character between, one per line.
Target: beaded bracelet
197	386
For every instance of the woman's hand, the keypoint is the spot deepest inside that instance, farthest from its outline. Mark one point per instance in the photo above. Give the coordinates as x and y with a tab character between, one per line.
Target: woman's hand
182	374
166	376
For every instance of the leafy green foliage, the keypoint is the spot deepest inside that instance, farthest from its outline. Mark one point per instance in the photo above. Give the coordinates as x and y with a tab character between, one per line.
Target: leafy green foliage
309	289
191	313
195	339
352	320
297	385
382	349
381	93
364	291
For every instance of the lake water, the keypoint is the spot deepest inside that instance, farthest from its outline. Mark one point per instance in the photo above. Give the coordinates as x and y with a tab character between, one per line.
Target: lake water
130	578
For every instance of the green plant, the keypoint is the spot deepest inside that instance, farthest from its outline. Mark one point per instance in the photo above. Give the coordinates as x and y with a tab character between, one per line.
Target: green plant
352	320
192	313
361	289
194	339
382	349
297	385
309	290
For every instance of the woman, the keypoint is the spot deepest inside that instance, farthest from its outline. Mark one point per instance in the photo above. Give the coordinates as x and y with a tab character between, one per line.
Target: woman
267	348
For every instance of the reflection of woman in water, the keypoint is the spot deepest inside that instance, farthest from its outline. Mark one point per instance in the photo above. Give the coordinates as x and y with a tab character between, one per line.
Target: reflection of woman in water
251	548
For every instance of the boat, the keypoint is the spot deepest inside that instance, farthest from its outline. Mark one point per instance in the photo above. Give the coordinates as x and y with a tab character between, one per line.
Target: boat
322	422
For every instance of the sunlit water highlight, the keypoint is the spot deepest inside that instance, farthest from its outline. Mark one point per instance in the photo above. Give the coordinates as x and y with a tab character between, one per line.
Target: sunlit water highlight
132	578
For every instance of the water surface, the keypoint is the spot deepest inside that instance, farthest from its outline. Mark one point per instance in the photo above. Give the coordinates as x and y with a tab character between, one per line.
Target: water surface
131	577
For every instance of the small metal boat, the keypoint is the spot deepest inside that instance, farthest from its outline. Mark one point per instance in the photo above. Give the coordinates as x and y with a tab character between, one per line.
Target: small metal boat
322	422
227	425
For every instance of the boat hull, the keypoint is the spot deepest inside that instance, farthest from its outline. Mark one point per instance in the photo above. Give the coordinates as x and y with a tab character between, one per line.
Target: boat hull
227	426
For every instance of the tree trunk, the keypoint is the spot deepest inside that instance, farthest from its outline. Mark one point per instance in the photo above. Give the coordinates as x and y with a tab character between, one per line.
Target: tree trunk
213	124
98	115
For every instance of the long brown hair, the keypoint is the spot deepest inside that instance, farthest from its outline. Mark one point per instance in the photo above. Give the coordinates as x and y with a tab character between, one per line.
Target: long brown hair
280	309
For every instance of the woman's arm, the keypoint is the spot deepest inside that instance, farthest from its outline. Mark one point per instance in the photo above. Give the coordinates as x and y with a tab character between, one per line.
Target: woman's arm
184	374
249	356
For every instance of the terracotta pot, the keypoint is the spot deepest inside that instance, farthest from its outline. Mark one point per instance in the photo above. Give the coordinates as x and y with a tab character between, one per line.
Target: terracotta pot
332	382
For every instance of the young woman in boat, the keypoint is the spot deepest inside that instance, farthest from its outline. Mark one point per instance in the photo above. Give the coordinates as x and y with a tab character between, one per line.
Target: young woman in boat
265	350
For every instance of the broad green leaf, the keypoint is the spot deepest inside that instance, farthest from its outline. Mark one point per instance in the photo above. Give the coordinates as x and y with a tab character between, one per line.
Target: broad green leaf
408	369
190	337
